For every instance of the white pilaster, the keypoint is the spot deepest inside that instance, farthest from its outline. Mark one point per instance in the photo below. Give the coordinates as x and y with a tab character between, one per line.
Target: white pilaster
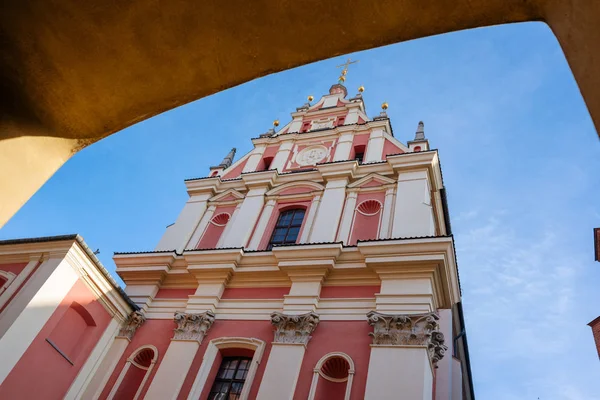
106	368
347	216
254	158
179	234
295	125
344	147
386	218
245	219
405	349
262	225
193	242
54	279
443	373
330	210
413	214
229	226
142	295
287	352
375	146
211	285
191	329
352	117
282	156
310	219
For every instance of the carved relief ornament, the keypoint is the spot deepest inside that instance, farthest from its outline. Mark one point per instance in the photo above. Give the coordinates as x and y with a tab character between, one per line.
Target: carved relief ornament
192	326
294	328
131	324
408	329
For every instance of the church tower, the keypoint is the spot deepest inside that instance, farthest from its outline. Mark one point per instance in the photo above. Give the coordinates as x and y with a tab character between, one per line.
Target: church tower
320	265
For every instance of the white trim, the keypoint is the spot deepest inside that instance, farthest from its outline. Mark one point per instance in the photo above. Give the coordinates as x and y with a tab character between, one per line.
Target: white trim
128	365
8	290
9	278
211	354
276	190
317	372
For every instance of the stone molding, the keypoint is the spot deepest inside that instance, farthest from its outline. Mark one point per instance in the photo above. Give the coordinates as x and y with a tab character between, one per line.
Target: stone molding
131	324
294	328
192	326
408	329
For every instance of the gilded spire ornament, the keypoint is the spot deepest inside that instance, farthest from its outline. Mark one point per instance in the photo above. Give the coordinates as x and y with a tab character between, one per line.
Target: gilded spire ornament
345	65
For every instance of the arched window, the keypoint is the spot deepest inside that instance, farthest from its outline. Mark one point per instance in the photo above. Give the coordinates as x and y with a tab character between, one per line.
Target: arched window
134	374
228	368
72	331
287	227
337	371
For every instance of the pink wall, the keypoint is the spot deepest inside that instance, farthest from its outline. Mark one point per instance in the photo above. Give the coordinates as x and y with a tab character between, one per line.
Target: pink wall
213	232
157	332
348	292
365	227
15	268
270	152
333	336
236	172
262	330
42	369
391	148
255	293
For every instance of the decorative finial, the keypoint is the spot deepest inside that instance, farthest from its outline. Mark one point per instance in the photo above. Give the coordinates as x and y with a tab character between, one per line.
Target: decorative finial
276	123
420	134
310	98
384	106
345	65
228	160
361	89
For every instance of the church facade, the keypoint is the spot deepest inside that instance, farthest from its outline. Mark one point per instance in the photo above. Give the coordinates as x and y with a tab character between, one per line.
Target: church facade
320	265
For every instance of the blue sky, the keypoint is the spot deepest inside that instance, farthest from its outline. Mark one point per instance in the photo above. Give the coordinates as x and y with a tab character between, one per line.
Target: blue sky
520	158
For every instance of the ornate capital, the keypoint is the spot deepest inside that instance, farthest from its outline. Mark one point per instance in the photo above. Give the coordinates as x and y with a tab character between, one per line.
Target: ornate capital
131	324
408	329
192	326
294	328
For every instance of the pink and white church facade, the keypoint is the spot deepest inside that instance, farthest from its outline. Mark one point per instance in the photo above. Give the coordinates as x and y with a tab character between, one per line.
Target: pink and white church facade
320	265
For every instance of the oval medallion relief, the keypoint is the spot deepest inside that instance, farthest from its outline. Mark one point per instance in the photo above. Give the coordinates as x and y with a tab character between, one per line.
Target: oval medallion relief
311	155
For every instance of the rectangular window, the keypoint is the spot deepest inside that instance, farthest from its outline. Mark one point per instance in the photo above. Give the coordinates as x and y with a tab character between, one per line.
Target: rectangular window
287	227
230	378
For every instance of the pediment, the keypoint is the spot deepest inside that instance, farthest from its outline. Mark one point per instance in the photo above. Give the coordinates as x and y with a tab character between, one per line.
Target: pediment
295	188
228	195
372	180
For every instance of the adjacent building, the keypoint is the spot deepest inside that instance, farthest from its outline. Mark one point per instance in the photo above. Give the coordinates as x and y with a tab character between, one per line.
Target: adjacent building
595	324
320	265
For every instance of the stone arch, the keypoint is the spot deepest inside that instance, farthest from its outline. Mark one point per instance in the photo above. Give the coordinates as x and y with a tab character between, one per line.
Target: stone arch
323	362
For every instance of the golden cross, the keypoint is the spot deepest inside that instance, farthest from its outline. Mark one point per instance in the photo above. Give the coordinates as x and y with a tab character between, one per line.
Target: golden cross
342	78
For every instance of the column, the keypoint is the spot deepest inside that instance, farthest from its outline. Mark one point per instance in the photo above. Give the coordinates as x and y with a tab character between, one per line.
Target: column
306	286
254	159
330	210
142	295
404	352
413	214
191	329
287	352
283	154
245	219
193	242
178	235
344	147
310	219
262	224
375	146
386	218
107	362
444	372
347	216
27	314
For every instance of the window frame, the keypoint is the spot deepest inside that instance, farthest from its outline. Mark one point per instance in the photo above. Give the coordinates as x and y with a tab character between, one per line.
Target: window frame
233	378
290	225
210	355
